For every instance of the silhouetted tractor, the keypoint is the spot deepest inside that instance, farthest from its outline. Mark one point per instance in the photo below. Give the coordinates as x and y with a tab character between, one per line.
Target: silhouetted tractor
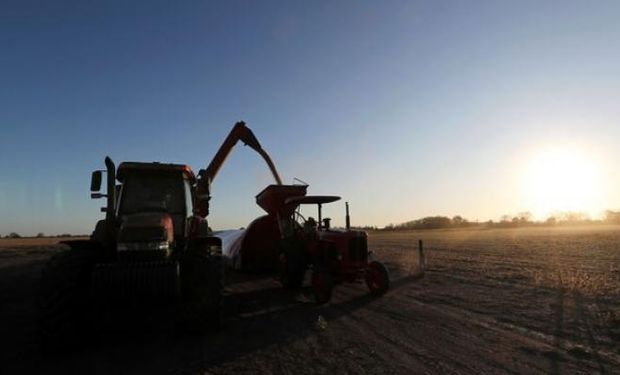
334	256
154	247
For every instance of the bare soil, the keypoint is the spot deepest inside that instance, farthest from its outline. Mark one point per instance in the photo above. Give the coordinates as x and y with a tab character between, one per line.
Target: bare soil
543	300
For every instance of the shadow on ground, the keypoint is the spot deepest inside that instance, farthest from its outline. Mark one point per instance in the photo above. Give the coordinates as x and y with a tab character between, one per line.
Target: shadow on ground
255	319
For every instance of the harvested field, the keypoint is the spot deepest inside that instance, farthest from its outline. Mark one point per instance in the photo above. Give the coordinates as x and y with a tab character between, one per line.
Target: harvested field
541	300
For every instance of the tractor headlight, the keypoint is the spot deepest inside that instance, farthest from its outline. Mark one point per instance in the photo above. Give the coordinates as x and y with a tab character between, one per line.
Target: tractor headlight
141	246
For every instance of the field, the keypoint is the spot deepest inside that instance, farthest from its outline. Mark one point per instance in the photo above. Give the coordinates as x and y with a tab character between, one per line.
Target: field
541	300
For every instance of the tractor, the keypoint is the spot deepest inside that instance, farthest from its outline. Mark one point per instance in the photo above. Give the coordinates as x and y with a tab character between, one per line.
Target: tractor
334	256
154	247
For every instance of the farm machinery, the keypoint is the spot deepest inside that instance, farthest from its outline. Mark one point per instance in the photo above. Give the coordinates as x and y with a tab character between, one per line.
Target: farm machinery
333	256
155	247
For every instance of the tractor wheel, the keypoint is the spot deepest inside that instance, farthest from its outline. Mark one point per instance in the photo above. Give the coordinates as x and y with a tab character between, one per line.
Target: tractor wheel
377	278
63	301
322	286
292	270
201	292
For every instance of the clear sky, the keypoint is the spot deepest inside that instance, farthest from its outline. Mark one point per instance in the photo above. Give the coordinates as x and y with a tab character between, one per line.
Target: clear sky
404	108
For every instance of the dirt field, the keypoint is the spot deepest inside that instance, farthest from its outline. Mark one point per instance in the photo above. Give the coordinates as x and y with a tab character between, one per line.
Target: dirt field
492	301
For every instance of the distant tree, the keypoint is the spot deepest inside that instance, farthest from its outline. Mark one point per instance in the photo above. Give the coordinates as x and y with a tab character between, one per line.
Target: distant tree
434	222
612	217
40	235
551	220
573	217
525	217
366	227
14	235
458	221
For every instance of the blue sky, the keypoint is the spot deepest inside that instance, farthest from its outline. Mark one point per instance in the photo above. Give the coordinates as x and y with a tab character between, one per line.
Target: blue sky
405	108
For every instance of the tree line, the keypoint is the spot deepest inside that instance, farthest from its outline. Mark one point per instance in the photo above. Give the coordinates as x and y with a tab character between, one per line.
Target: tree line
506	221
39	235
442	222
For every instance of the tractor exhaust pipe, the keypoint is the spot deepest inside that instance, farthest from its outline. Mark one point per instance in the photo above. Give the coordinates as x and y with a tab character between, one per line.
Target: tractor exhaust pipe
111	189
347	217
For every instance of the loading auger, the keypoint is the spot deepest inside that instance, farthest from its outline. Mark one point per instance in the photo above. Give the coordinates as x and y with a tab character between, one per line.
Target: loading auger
240	132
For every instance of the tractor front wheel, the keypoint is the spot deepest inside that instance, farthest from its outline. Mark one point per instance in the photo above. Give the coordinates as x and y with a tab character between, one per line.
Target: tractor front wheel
292	270
377	278
201	292
322	286
63	304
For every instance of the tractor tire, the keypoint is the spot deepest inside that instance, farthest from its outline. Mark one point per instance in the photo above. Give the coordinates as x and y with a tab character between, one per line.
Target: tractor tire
99	234
201	292
63	301
377	278
292	270
322	286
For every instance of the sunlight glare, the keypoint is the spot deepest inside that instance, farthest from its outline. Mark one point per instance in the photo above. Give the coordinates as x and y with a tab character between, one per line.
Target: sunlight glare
563	180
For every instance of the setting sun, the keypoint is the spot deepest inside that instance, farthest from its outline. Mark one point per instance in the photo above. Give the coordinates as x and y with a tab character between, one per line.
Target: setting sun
563	180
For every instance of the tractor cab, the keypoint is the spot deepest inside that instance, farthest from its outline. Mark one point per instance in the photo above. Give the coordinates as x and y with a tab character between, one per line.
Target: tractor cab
150	206
154	199
318	200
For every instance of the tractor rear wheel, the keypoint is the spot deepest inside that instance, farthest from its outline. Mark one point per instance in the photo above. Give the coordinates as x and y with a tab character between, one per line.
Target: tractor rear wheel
322	285
377	278
201	292
63	302
292	270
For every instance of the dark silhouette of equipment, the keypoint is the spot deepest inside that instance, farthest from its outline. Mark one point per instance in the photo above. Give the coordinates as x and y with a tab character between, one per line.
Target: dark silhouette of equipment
333	256
154	246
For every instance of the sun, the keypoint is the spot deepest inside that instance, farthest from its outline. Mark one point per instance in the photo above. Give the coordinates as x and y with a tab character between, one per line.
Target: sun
563	179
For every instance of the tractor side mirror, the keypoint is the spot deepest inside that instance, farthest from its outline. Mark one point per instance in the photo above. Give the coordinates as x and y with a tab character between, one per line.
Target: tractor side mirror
95	181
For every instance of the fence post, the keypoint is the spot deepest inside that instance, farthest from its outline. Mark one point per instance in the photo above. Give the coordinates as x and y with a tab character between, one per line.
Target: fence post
421	257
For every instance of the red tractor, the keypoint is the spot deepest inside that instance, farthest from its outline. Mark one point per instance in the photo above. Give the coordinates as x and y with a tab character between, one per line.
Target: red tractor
153	247
334	256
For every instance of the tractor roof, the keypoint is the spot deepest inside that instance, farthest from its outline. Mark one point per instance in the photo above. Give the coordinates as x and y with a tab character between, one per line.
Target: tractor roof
132	166
311	199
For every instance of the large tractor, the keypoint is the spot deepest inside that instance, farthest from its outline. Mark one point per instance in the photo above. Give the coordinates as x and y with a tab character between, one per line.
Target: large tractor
154	247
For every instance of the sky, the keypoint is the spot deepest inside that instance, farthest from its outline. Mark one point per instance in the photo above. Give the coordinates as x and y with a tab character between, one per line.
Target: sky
404	108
